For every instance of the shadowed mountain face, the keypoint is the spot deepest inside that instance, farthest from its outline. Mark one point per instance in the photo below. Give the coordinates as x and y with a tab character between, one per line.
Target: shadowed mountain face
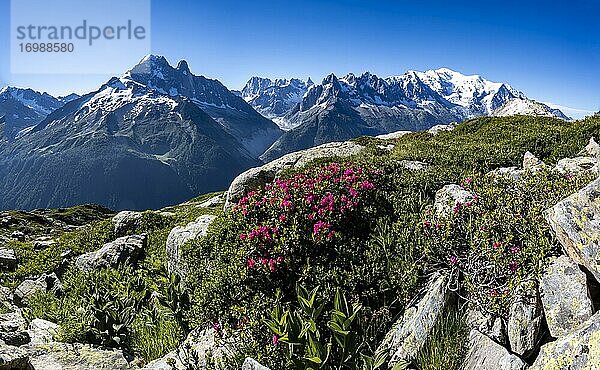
125	146
255	132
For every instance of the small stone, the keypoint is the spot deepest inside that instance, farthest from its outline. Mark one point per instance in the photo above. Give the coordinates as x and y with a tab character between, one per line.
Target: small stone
8	259
414	165
564	295
531	161
13	329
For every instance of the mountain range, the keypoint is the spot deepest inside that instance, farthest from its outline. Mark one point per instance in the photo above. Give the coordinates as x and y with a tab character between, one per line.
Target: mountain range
159	134
351	106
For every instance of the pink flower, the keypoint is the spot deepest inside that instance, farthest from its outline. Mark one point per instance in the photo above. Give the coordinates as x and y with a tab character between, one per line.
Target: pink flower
513	265
320	225
353	192
514	250
251	263
496	245
282	218
275	340
367	185
453	260
242	236
426	223
217	326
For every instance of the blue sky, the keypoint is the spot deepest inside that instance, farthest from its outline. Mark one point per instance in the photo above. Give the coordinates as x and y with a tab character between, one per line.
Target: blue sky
549	50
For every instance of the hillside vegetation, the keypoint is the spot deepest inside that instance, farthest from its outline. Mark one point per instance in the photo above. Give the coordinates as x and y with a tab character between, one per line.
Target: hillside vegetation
312	270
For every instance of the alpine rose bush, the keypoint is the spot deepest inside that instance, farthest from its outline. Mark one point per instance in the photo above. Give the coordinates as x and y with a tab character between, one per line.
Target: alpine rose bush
500	239
301	216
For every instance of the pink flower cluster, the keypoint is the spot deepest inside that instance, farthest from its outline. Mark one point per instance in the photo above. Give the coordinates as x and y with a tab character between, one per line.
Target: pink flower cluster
313	203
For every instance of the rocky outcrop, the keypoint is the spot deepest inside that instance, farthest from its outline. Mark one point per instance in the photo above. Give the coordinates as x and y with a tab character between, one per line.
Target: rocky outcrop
576	223
127	249
577	350
449	197
442	128
485	354
126	222
525	320
408	335
260	176
181	235
564	295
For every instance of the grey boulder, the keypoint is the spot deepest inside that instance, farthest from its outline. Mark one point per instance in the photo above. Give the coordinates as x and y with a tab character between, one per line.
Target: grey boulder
524	320
126	222
251	364
564	295
8	259
13	329
30	287
485	354
410	332
577	350
449	197
576	223
127	249
181	235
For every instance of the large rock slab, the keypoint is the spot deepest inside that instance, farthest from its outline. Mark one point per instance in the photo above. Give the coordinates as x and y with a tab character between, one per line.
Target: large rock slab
127	249
564	295
181	235
576	223
408	335
260	176
485	354
65	356
525	320
449	197
492	327
577	350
